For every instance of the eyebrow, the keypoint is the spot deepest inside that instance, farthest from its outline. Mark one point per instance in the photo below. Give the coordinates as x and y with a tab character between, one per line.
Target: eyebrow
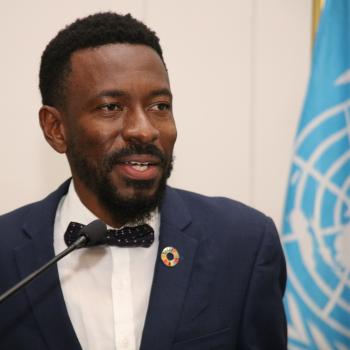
161	92
111	93
121	93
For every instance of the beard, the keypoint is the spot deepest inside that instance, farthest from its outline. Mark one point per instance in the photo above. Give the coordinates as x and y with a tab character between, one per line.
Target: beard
97	178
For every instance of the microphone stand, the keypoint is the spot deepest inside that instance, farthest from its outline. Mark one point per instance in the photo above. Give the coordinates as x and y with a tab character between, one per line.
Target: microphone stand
80	241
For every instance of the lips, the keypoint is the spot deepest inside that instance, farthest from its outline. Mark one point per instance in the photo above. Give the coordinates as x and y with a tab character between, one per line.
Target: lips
139	167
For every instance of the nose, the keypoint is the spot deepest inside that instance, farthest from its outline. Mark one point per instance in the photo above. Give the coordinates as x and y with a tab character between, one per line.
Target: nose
137	127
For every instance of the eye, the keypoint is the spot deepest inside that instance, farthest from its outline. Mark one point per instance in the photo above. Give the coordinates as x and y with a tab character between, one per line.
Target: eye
161	107
111	107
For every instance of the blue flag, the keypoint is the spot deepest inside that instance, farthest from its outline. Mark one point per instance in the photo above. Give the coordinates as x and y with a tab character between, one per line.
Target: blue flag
316	226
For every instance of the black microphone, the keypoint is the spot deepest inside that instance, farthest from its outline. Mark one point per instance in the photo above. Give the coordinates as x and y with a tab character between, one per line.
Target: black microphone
89	235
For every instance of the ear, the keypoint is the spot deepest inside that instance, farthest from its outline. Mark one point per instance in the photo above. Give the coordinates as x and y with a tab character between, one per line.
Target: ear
52	125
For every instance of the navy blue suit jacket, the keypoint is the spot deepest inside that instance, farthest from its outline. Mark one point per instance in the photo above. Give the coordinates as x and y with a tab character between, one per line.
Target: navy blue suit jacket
225	293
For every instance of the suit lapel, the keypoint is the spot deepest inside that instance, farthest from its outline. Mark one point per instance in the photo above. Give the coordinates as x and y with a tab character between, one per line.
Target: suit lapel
44	293
170	284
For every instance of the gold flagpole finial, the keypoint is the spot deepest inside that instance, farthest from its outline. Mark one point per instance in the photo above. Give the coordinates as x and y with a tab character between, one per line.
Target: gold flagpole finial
317	6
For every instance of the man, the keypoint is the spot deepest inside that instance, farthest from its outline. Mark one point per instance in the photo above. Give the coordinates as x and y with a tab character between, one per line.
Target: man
211	274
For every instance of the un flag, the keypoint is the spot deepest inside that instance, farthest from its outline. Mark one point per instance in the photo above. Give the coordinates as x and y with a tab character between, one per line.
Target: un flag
316	226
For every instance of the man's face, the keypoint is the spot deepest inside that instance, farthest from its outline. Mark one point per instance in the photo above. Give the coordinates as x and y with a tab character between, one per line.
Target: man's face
119	127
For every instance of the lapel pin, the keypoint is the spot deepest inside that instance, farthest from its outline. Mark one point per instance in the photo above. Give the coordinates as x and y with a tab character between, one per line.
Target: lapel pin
170	256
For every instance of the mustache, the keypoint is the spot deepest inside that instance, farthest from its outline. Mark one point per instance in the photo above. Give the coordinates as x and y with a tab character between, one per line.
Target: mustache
114	158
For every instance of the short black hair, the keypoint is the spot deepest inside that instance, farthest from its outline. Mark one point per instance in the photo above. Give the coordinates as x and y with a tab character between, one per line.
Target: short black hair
92	31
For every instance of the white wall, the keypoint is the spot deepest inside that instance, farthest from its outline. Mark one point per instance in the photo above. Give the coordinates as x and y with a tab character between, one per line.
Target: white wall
238	71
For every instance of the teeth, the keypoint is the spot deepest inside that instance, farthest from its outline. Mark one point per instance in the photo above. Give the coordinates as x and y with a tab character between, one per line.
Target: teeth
138	163
139	166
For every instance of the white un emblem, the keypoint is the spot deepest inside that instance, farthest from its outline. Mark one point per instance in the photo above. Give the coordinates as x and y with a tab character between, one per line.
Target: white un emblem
316	232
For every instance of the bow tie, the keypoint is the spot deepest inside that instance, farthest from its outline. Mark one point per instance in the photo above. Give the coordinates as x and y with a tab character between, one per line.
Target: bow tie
128	236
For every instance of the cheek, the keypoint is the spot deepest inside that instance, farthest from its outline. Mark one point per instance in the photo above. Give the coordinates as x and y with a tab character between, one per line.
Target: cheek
97	140
168	137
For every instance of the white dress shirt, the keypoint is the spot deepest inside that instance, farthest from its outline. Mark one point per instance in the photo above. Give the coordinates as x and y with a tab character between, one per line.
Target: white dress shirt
106	289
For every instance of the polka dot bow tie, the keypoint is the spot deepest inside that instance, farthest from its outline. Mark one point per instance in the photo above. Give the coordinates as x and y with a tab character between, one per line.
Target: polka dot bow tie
128	236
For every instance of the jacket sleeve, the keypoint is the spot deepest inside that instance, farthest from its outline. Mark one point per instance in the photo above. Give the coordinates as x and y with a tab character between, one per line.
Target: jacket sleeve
263	325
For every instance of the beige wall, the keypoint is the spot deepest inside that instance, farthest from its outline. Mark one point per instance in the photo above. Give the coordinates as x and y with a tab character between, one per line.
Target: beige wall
238	71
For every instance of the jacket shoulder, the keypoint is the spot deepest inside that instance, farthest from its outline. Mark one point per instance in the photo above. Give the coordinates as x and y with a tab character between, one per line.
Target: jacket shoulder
42	211
16	216
221	208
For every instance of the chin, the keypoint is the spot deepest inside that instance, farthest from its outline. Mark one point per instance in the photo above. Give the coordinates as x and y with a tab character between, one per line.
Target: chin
132	203
138	187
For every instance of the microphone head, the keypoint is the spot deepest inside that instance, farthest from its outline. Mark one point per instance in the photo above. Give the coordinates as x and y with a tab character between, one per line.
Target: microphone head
94	232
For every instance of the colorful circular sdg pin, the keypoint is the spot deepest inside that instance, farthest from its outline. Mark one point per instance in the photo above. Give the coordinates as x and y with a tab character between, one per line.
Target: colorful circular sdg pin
170	256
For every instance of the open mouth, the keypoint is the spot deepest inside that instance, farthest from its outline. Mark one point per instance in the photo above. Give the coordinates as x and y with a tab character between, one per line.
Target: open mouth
139	166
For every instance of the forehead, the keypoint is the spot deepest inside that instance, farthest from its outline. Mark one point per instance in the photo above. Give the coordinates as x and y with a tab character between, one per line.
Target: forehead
116	65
